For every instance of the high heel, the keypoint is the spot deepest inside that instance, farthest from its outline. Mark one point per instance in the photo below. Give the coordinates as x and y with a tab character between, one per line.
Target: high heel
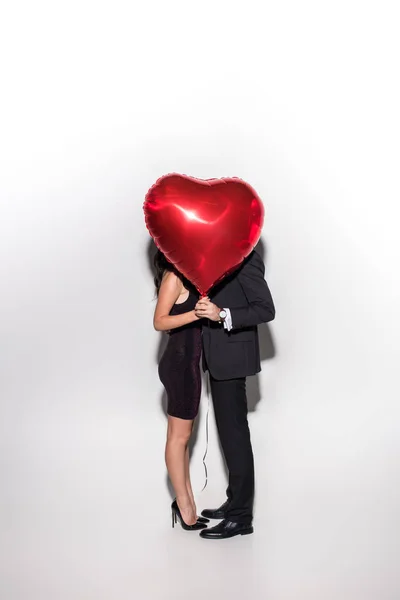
176	514
199	519
202	520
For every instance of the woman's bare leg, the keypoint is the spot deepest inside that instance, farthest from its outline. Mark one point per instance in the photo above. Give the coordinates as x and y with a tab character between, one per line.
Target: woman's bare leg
178	435
188	482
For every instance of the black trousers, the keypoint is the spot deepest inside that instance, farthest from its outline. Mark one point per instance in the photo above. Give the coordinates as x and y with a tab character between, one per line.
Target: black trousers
230	407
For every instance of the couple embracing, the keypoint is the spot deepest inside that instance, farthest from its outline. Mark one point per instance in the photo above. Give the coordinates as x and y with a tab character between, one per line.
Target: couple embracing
221	332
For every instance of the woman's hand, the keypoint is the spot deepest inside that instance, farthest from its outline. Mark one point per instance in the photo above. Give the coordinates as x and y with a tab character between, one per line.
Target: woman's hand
205	309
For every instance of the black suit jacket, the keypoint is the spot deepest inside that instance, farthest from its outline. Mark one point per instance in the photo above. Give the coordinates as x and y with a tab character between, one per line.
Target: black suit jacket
236	353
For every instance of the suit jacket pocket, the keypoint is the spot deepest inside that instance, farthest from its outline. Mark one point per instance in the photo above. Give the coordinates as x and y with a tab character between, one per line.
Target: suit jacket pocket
241	335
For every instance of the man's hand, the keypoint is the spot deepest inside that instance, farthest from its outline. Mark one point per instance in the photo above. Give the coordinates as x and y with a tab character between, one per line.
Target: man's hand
206	309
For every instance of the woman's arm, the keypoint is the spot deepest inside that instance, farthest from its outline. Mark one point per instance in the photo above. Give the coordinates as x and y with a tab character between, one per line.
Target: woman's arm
170	290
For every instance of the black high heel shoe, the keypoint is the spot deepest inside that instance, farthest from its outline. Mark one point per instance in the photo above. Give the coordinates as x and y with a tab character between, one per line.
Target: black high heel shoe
199	519
202	520
176	514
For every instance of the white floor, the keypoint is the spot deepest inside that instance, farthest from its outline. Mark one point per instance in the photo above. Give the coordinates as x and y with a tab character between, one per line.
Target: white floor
83	530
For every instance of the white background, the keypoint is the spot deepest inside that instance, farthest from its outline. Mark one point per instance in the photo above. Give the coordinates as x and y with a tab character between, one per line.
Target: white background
99	99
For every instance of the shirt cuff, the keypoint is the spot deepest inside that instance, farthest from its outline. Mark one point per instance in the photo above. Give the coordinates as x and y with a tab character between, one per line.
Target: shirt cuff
228	319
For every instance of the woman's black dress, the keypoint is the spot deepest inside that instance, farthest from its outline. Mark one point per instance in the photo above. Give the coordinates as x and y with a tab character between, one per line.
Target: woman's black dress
179	367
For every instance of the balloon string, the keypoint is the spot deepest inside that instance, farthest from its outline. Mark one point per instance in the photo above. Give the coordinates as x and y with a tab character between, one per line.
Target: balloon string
208	411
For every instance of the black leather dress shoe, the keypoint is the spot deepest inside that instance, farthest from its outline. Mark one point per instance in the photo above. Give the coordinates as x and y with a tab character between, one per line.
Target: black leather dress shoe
216	513
226	529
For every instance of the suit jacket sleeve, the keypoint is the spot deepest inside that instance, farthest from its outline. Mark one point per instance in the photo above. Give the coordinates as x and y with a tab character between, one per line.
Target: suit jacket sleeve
260	307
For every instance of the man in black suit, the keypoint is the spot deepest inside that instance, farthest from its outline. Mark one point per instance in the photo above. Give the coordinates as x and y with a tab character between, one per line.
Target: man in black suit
230	353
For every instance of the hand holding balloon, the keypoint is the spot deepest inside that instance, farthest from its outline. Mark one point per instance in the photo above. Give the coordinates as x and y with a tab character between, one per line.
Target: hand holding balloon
207	309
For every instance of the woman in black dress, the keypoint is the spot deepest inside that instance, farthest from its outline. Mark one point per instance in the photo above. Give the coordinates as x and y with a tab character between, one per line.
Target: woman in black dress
179	371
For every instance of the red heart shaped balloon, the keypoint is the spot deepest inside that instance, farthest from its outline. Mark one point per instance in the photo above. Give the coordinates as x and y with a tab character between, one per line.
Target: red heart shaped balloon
205	228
